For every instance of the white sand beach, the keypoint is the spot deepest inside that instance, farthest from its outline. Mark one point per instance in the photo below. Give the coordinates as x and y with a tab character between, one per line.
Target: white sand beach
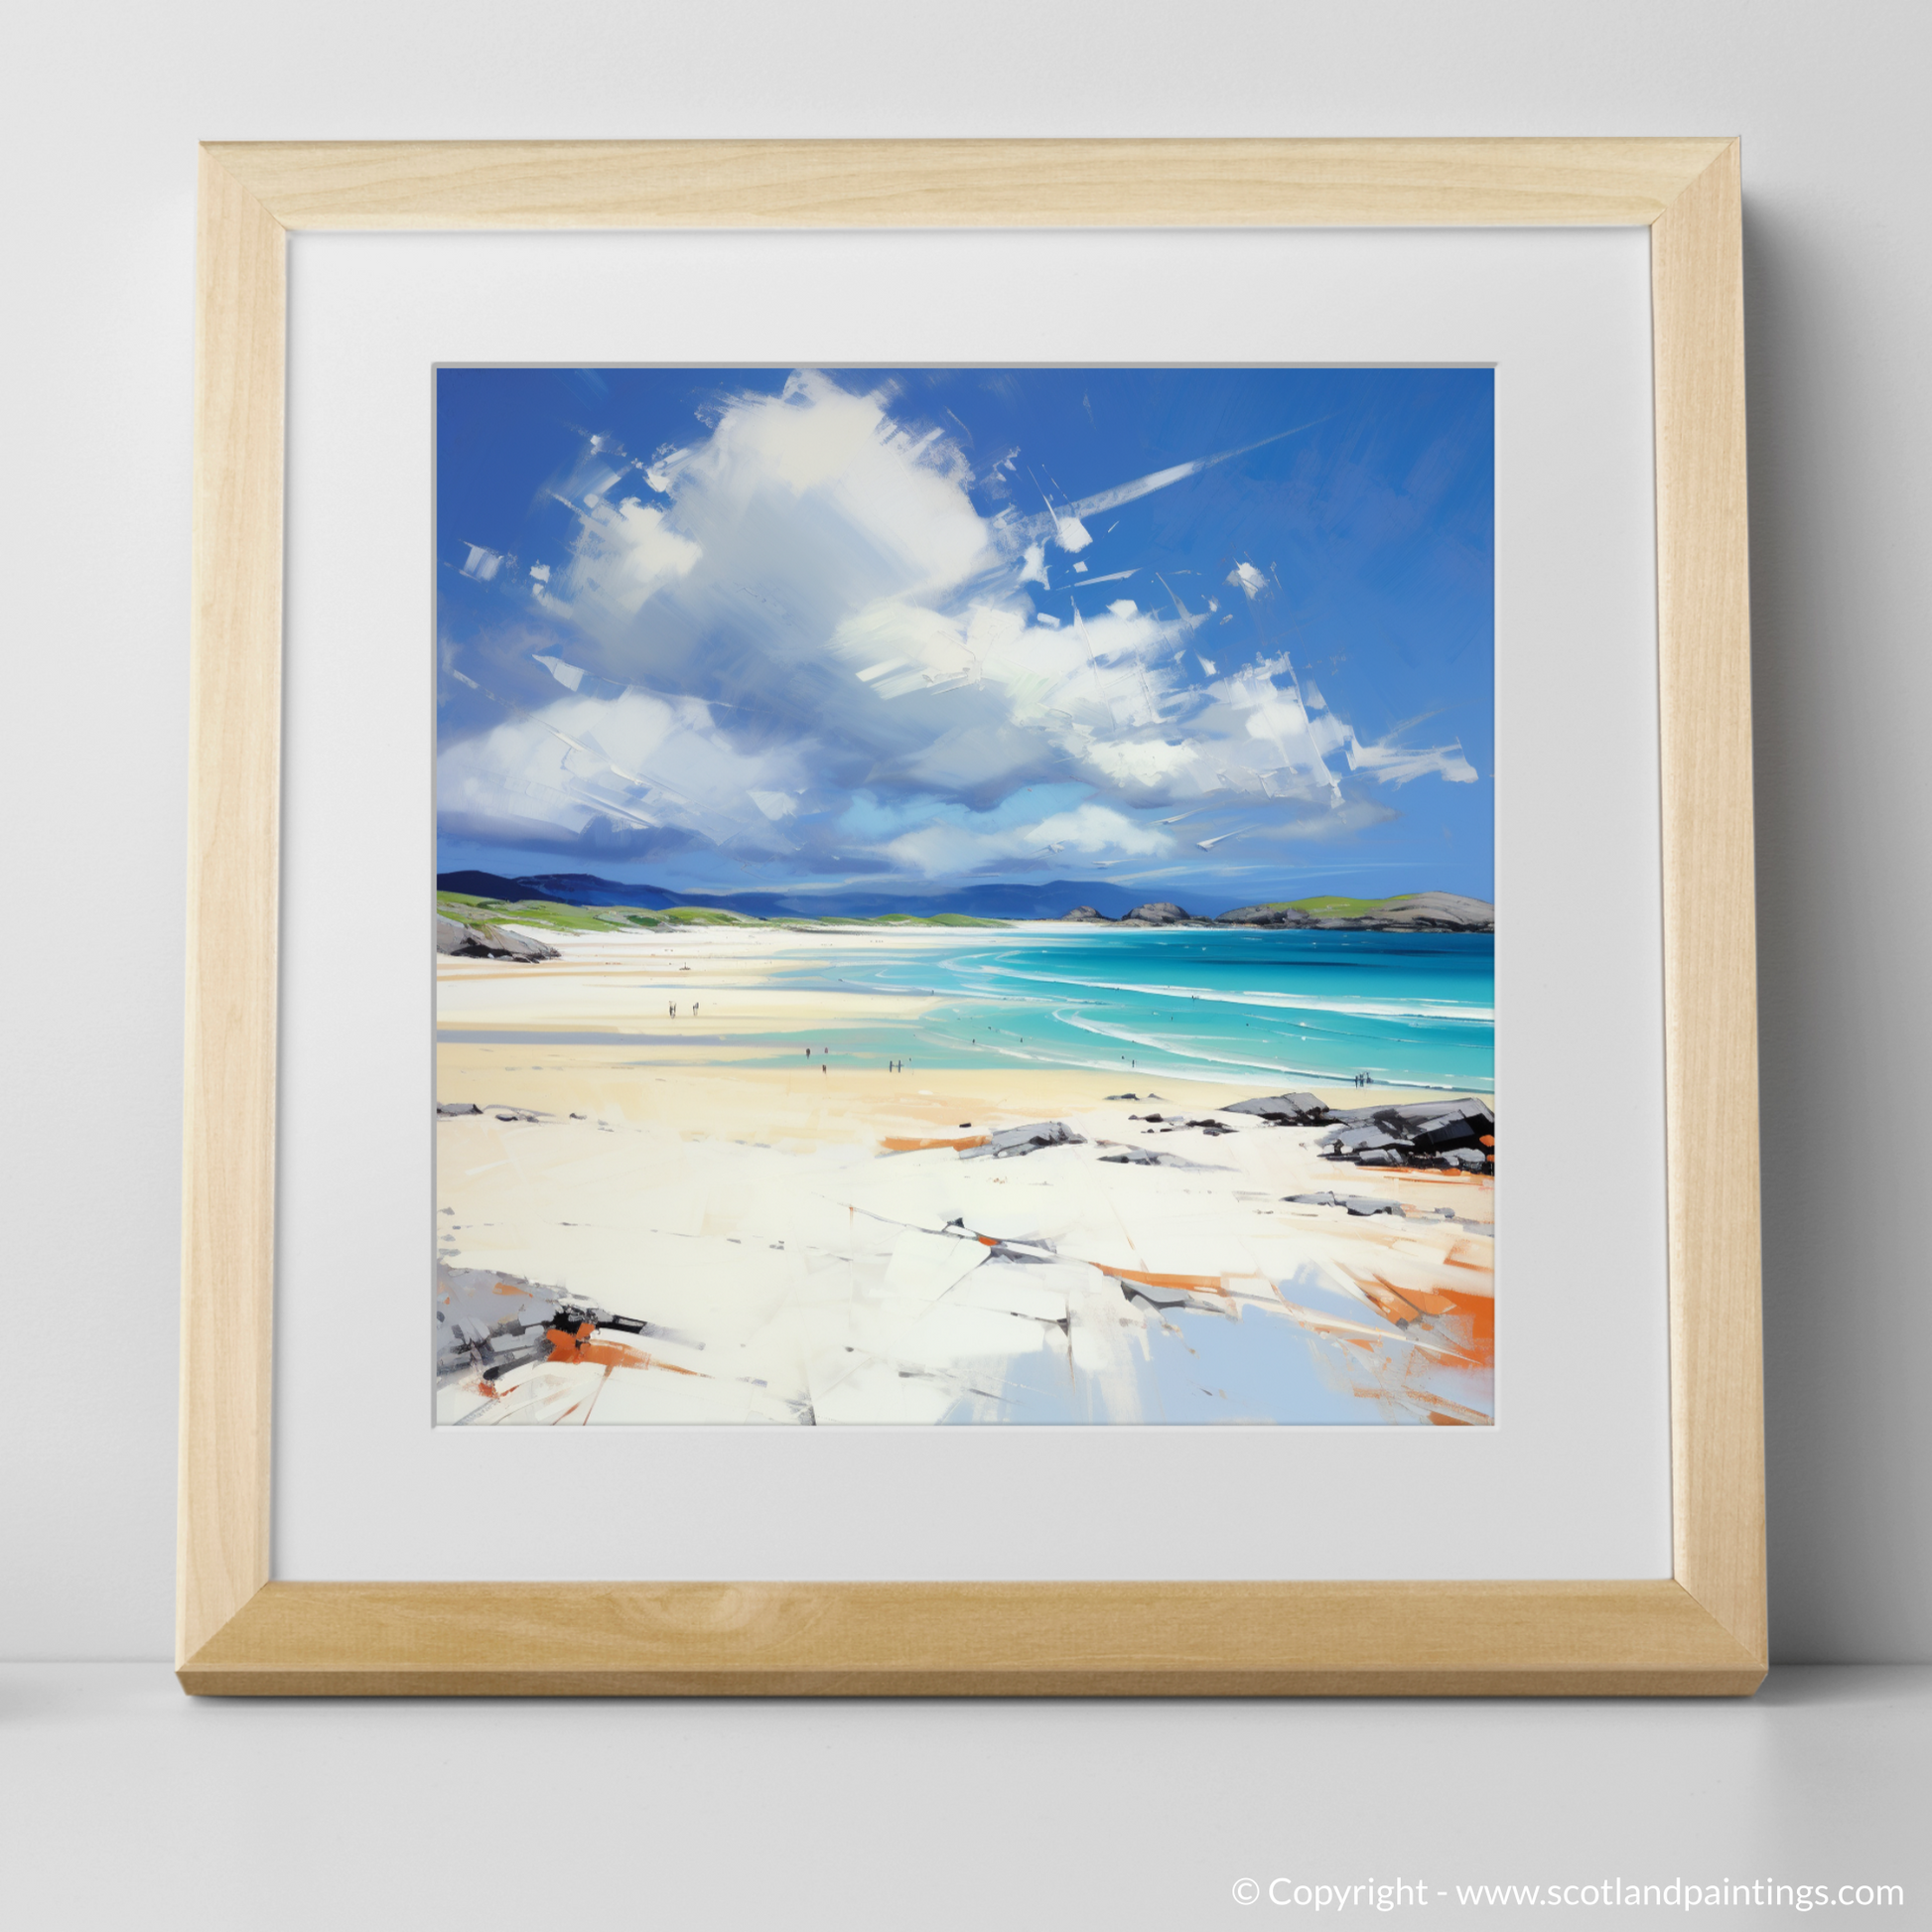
649	1218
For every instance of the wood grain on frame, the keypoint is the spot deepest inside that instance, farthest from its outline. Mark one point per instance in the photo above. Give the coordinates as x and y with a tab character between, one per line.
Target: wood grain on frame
1205	1639
234	767
1710	930
1702	1633
964	184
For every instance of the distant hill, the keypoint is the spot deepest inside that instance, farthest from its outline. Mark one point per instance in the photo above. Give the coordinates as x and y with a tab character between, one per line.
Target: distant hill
1085	901
989	902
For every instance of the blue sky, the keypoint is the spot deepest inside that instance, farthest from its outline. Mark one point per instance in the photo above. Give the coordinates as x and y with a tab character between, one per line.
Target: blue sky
1224	633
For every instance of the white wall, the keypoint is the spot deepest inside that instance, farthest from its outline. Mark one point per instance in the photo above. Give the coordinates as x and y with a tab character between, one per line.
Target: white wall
105	107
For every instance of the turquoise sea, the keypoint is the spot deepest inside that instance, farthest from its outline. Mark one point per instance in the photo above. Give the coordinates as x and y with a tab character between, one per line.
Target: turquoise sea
1251	1009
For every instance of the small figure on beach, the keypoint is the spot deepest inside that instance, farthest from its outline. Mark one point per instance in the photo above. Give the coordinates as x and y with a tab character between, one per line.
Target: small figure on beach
673	1009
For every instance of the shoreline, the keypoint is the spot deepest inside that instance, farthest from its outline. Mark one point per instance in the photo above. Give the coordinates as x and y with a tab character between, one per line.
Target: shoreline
641	1226
740	991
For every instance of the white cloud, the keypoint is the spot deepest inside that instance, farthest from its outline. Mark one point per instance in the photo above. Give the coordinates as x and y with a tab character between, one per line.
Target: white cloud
1155	767
1086	833
627	552
635	761
1097	828
1396	764
570	676
815	605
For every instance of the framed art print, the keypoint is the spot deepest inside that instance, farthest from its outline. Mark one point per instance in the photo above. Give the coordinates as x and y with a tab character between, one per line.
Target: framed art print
889	1080
992	868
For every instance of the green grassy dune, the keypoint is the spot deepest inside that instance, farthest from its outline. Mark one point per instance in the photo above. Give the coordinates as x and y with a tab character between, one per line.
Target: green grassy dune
546	916
1336	908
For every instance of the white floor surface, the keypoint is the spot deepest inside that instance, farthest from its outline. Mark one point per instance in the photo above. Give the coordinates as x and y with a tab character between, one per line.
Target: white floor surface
123	1803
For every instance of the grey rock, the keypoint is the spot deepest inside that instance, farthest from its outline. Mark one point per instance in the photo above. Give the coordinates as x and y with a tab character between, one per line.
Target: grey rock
1408	913
1086	915
1264	916
515	945
1422	1133
1355	1203
1010	1141
487	942
450	1109
1159	911
1438	912
1284	1109
488	1317
1450	1131
1146	1157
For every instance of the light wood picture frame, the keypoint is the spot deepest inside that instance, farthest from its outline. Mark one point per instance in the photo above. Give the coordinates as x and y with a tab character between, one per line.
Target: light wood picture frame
1701	1632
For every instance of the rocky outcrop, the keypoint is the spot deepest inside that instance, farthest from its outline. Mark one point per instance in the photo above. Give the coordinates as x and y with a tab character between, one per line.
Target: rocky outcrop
1460	1134
1285	1110
489	1323
1012	1141
1408	913
488	942
1455	1133
1435	913
1270	915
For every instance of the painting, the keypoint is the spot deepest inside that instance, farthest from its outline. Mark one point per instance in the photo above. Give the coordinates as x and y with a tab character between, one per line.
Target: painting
964	895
